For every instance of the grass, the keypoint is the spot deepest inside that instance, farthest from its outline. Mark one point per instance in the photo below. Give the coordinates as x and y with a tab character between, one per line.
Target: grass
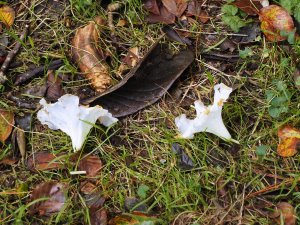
137	151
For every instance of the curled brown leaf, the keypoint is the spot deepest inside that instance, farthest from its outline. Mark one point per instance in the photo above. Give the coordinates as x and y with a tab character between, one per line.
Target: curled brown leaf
286	212
89	58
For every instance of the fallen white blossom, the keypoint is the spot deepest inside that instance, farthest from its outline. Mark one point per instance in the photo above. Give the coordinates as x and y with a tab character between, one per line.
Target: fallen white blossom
74	120
209	118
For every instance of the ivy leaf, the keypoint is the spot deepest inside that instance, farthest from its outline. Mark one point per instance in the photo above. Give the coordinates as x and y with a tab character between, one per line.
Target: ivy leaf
230	10
142	191
245	53
234	22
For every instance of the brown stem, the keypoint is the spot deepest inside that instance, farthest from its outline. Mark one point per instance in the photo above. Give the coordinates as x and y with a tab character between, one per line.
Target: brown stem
11	55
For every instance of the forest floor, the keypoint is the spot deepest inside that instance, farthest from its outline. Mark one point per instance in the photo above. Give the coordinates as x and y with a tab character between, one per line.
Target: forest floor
211	181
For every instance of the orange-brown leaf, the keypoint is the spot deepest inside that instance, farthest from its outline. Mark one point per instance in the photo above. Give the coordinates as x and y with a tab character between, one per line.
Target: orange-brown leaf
6	124
275	19
44	161
286	212
289	138
251	7
91	164
7	15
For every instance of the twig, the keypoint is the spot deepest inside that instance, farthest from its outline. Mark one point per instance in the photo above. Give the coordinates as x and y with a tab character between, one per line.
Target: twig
111	8
21	78
11	55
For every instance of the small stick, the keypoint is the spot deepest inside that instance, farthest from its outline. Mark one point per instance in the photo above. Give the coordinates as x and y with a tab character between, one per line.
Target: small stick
21	78
11	55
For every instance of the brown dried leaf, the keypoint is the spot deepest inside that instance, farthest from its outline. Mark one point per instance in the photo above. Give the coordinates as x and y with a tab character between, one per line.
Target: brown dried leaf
164	17
275	19
91	164
146	82
21	140
152	6
251	7
286	212
44	161
132	57
289	141
55	192
54	84
6	124
8	161
7	15
170	5
181	7
89	58
98	216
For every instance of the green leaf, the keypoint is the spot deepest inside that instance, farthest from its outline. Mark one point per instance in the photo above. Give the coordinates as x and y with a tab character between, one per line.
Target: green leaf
234	22
142	191
230	10
245	53
262	150
288	4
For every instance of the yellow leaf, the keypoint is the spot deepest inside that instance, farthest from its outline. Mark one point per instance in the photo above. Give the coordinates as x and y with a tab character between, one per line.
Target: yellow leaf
7	15
6	123
289	141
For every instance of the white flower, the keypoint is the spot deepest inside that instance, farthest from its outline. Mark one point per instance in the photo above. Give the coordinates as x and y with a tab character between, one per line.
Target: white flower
209	118
74	120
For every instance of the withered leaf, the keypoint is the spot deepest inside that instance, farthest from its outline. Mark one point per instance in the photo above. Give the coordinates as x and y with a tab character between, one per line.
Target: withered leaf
98	216
54	87
56	197
170	6
164	16
7	15
284	211
91	164
89	58
289	141
44	161
145	83
6	124
251	7
151	6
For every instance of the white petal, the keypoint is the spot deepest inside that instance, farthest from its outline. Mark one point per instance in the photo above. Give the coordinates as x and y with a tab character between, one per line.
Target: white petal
74	120
208	119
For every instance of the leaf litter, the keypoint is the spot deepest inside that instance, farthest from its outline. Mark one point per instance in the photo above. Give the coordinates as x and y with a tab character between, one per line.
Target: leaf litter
123	99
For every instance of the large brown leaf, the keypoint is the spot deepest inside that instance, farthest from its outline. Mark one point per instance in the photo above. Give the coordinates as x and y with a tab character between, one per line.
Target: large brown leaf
91	164
53	194
146	83
44	161
251	7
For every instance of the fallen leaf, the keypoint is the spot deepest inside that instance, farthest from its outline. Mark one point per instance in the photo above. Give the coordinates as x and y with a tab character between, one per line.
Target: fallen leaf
170	5
133	219
275	20
251	7
40	161
55	194
21	141
193	8
54	87
87	187
6	124
208	118
75	120
8	161
289	138
184	161
91	164
181	7
151	6
7	15
164	16
145	83
284	212
132	57
98	216
89	58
